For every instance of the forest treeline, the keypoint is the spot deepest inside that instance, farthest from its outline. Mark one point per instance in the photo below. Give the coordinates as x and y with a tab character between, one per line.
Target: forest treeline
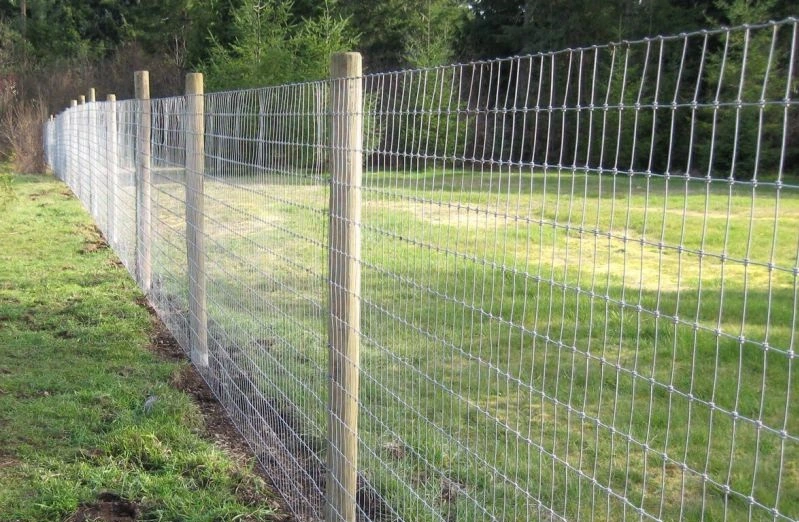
52	50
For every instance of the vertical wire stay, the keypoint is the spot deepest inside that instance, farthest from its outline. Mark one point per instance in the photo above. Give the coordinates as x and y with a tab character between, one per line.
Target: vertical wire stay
571	292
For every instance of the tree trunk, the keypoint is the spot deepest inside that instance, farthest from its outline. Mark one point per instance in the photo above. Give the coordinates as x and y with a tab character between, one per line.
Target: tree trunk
23	15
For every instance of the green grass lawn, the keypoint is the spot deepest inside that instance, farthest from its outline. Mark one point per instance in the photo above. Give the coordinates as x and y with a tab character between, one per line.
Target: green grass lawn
533	345
74	375
589	335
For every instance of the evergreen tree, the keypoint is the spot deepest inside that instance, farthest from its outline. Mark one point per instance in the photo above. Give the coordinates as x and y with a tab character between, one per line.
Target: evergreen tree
745	140
269	48
386	26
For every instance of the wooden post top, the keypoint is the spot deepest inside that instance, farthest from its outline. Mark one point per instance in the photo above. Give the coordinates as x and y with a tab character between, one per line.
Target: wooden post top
141	80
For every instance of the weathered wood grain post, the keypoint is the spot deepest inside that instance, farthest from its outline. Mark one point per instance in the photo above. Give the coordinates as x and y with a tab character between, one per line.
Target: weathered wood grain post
345	285
111	165
70	148
143	186
91	153
47	140
57	146
195	229
80	140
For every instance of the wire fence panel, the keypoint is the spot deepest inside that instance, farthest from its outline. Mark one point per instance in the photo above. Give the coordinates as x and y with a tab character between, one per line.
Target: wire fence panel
169	290
579	276
125	184
580	283
265	209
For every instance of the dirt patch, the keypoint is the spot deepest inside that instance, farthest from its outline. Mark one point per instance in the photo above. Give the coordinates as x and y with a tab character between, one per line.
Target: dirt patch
93	240
217	425
35	394
64	334
162	342
108	508
165	345
91	246
9	462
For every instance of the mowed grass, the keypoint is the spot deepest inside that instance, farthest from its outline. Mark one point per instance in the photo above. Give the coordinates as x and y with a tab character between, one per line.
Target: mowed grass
75	372
534	345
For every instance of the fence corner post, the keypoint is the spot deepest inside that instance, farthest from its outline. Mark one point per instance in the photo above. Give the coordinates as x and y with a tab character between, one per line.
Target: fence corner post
195	233
344	285
143	187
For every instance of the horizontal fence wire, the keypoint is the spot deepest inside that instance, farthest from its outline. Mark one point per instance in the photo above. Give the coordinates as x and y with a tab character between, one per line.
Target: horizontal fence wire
580	276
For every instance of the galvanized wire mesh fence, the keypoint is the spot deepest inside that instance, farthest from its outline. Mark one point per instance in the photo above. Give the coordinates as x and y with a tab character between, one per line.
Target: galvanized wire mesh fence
580	276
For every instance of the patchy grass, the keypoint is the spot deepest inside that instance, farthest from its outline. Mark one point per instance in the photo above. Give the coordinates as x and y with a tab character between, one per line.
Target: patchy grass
6	189
75	371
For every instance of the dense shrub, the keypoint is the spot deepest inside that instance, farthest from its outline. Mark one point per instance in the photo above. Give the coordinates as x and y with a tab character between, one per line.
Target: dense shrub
22	129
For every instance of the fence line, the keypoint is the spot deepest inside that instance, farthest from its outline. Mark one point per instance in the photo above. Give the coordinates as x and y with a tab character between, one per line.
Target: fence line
579	276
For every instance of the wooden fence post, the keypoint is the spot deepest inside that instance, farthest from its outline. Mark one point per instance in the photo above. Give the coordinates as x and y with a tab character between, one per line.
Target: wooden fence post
345	285
70	148
111	165
91	153
195	233
143	187
79	141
